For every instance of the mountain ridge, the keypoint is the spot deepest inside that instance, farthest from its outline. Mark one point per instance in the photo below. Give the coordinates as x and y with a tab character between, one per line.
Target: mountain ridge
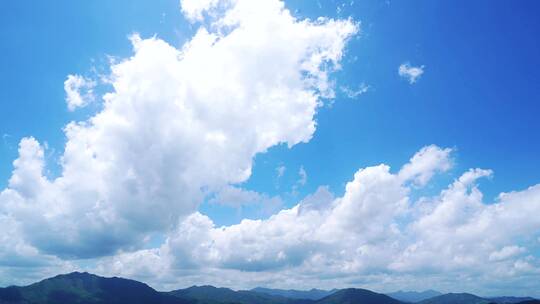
312	294
87	288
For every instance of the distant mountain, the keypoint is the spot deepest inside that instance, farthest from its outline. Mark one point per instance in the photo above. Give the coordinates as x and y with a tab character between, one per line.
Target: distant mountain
211	295
357	296
456	298
510	300
312	294
413	296
534	301
85	288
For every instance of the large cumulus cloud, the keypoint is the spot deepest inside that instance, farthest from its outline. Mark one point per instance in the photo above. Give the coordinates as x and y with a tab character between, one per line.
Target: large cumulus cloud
375	235
180	124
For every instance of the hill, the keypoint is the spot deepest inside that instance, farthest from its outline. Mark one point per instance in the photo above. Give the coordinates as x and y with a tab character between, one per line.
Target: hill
211	294
85	288
413	296
312	294
510	300
357	296
534	301
456	298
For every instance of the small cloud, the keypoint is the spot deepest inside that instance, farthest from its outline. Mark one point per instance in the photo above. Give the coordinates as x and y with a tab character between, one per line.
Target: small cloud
7	143
303	176
411	73
354	93
340	8
79	91
302	180
280	171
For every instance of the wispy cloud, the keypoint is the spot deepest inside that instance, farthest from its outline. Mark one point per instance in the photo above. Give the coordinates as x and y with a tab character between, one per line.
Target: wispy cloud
354	93
280	170
411	73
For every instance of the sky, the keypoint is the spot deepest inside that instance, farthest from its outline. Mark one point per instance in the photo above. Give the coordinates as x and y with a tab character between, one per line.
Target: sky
291	144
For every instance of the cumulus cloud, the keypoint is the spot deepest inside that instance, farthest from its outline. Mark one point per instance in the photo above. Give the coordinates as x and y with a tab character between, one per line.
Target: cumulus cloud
374	231
425	163
79	91
20	262
179	125
409	72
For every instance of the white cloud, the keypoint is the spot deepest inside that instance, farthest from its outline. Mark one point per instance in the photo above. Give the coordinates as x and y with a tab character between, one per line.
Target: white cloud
411	73
280	170
506	252
374	234
237	197
193	9
79	91
21	263
179	125
354	93
425	163
302	180
303	176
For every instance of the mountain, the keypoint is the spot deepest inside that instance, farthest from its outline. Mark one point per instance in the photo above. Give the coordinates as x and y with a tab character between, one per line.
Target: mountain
211	295
85	288
413	296
456	298
357	296
312	294
533	301
510	300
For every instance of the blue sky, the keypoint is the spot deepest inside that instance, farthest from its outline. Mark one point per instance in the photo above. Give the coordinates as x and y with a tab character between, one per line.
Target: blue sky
477	95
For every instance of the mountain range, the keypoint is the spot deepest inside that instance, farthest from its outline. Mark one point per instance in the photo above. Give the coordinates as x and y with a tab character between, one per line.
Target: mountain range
86	288
312	294
413	296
